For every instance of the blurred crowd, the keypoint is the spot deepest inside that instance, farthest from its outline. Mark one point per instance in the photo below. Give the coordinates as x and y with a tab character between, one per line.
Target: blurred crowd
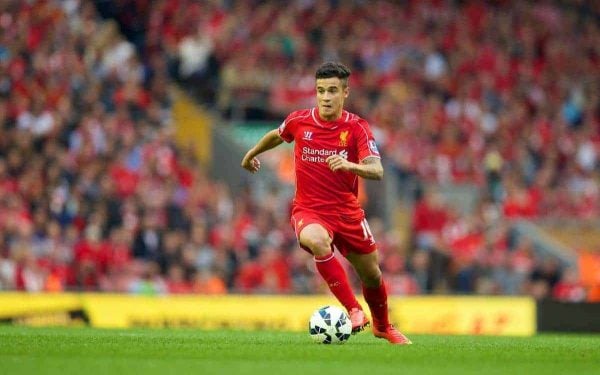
95	195
502	94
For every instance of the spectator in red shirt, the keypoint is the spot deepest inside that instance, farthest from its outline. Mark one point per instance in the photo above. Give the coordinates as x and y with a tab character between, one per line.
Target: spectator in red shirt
568	288
429	218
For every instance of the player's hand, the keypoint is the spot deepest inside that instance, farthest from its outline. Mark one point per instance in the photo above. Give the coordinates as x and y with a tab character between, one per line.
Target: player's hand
251	164
338	163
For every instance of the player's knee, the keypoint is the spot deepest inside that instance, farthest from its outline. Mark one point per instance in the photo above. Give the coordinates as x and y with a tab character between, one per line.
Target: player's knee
371	278
319	246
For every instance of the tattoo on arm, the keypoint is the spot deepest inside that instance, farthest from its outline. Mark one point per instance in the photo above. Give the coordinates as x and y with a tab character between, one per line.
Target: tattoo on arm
370	160
371	168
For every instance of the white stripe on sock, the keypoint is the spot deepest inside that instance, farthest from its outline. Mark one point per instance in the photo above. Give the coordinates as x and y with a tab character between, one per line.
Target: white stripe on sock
324	260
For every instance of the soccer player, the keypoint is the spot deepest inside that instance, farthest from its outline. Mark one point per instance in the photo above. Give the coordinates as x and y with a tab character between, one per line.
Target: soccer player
332	149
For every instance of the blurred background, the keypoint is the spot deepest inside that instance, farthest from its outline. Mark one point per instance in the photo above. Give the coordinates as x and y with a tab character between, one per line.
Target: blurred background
123	123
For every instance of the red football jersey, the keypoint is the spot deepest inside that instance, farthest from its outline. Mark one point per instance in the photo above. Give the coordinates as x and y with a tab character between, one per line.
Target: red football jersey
318	187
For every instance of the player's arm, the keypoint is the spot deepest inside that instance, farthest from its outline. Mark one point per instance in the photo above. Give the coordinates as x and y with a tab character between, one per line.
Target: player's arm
270	140
369	168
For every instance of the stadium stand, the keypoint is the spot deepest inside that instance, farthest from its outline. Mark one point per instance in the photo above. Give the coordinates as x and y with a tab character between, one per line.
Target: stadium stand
95	194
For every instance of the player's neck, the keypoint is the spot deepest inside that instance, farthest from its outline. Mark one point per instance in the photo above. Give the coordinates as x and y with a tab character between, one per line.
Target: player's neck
331	118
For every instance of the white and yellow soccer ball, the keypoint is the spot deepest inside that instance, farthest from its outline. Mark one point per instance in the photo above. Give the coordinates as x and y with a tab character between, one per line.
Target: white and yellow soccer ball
330	325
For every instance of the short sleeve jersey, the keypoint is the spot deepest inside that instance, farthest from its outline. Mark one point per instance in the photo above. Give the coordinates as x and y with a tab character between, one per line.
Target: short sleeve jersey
318	187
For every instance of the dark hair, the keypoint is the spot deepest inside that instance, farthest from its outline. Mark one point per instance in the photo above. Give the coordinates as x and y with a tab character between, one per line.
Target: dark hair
333	69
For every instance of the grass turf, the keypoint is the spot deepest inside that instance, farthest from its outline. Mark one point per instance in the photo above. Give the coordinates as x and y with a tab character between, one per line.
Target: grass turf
162	351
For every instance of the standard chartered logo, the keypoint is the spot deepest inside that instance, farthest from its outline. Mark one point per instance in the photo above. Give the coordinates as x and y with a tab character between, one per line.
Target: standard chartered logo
320	155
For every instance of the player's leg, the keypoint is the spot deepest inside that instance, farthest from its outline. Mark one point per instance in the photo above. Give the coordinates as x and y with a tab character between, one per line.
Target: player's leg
367	268
317	239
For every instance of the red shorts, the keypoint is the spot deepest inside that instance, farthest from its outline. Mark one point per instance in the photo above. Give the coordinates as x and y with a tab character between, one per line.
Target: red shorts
349	235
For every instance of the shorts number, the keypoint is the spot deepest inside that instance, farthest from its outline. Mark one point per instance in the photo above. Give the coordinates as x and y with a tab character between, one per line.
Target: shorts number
366	229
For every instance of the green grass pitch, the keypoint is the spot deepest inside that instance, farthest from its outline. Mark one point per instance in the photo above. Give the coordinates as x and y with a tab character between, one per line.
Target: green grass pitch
90	351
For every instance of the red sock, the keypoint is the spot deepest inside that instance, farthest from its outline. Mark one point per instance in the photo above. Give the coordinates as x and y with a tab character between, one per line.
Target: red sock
331	270
377	300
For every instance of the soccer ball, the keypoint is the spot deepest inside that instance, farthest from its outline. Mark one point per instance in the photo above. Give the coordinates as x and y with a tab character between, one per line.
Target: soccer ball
330	325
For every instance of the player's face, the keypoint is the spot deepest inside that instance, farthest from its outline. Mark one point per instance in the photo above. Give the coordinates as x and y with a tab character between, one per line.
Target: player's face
331	94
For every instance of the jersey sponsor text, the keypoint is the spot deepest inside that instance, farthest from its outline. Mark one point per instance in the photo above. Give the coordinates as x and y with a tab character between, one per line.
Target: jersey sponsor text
319	155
